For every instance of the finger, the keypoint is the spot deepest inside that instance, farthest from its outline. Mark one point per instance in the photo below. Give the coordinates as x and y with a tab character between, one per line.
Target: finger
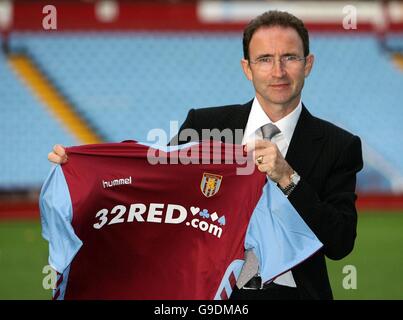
59	150
261	156
256	144
267	154
262	168
53	157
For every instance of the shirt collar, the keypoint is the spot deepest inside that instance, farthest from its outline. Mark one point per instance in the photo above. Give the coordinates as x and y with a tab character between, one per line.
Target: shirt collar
258	118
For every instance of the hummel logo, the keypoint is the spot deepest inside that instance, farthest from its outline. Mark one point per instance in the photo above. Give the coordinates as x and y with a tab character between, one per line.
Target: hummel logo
116	182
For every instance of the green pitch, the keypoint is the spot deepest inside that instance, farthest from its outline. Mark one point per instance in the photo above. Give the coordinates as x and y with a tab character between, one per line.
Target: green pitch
23	254
377	260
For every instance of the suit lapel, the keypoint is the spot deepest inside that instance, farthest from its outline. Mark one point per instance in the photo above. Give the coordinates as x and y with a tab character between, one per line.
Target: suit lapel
306	143
238	120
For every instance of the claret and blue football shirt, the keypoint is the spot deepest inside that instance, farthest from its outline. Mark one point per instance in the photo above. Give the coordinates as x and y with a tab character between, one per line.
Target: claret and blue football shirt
133	221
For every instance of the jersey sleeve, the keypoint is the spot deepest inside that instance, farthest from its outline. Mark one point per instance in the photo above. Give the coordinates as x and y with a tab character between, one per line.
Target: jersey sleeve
278	235
56	216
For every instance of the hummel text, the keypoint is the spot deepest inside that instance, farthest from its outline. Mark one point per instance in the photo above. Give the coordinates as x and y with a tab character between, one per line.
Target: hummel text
116	182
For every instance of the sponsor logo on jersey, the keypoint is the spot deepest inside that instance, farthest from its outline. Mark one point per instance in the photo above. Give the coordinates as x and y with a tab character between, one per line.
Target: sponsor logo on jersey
210	184
194	217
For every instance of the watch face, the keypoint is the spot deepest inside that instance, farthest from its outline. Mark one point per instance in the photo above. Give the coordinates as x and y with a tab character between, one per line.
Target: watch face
295	178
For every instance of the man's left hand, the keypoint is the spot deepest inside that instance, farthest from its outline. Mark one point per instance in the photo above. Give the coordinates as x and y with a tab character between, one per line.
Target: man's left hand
269	159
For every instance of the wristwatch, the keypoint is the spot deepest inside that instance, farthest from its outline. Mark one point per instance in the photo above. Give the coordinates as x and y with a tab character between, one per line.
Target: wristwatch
294	181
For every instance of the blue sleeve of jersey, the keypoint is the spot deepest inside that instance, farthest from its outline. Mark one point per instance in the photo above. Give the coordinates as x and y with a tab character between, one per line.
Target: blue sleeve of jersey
278	235
56	216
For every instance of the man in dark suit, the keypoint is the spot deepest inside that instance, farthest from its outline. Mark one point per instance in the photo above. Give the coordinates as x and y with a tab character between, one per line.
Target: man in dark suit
312	161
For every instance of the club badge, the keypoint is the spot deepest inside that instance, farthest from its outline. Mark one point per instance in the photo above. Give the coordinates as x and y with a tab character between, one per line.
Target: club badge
210	184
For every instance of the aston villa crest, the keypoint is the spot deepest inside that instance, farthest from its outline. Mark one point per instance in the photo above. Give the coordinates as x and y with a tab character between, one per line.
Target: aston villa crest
210	184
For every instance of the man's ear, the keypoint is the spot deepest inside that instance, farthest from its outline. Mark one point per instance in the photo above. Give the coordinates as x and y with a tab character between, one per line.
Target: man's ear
246	69
308	64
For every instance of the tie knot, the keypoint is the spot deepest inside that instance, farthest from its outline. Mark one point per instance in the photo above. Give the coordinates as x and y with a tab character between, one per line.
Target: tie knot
269	131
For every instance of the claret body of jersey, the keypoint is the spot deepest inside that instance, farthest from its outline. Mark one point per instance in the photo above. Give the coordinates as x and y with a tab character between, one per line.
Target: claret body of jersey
126	221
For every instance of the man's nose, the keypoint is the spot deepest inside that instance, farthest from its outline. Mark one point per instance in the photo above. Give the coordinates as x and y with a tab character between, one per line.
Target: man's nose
278	70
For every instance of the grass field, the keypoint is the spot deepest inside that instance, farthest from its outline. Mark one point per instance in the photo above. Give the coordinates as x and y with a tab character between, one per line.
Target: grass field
377	258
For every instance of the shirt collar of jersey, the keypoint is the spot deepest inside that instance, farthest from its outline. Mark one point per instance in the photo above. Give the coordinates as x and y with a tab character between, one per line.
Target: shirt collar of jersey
258	118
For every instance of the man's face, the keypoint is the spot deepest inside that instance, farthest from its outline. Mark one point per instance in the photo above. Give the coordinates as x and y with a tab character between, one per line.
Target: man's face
279	85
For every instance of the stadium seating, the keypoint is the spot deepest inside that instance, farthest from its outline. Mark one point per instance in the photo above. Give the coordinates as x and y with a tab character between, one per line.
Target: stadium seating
27	134
125	84
356	85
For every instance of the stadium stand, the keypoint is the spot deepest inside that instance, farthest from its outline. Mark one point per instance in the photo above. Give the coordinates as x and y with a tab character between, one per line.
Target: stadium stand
27	133
357	85
125	83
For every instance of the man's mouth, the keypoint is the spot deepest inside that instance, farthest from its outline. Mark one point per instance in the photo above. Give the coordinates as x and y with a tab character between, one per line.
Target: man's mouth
279	85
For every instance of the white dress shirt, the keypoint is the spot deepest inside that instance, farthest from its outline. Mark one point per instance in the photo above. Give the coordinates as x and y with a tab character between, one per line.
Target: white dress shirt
257	119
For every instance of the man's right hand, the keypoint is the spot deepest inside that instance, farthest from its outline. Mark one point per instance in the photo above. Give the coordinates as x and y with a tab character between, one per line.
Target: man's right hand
58	155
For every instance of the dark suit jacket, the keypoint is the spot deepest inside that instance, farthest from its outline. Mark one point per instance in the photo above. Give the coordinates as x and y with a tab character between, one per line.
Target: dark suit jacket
327	158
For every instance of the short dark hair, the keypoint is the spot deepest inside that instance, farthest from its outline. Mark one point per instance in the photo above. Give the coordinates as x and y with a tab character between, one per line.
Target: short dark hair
275	18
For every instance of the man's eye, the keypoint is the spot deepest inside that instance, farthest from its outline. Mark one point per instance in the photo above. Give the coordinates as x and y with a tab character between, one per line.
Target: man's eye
265	60
290	58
